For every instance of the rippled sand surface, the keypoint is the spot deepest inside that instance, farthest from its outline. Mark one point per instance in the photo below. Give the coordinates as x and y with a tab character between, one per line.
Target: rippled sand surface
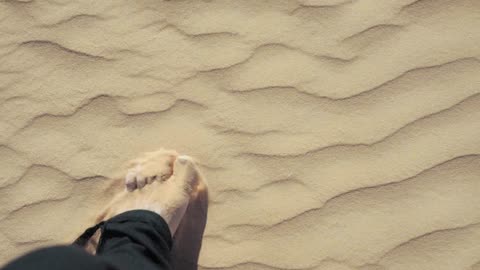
335	134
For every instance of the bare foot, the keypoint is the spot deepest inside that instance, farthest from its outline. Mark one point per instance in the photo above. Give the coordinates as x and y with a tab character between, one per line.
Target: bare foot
159	181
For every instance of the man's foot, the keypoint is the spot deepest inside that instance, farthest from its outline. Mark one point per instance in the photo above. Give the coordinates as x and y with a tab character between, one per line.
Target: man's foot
161	182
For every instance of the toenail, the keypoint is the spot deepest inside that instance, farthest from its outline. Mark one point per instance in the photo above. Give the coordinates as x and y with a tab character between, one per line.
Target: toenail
182	159
131	186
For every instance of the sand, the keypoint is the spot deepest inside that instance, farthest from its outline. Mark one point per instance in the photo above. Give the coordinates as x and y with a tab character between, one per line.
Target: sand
334	134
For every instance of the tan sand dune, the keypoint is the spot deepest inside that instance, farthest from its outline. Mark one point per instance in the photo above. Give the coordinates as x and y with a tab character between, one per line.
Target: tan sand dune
334	134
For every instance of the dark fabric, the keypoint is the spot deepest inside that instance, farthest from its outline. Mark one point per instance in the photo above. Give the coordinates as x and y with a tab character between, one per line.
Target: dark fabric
83	239
138	239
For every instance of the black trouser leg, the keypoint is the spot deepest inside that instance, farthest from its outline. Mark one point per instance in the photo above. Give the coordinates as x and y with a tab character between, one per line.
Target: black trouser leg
136	239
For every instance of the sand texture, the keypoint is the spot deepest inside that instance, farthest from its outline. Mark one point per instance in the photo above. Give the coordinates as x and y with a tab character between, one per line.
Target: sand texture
334	134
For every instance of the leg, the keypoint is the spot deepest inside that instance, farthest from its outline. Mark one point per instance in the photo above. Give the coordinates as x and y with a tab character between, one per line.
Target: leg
164	184
137	226
138	239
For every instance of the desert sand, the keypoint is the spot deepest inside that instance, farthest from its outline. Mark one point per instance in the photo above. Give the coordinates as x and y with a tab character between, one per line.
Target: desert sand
334	134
